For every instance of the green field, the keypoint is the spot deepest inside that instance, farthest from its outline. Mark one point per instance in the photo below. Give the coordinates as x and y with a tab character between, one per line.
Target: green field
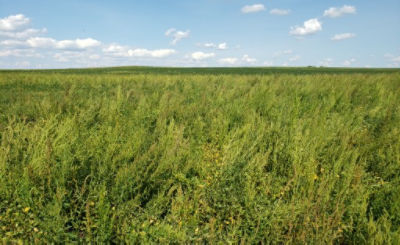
200	155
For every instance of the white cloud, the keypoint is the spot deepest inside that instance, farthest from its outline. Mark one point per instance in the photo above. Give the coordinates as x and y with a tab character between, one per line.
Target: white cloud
343	36
46	42
210	45
253	8
78	43
396	59
22	34
117	50
13	22
201	56
247	59
13	43
280	11
335	12
170	31
228	61
221	46
349	62
309	27
41	42
120	51
176	35
19	53
114	48
158	53
76	57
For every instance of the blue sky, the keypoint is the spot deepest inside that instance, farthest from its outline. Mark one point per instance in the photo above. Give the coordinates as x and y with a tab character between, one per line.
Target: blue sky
61	34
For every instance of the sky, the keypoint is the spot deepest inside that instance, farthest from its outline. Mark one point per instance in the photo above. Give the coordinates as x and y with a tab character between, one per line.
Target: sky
199	33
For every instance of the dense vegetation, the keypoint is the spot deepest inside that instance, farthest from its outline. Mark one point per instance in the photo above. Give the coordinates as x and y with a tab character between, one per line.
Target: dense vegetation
195	157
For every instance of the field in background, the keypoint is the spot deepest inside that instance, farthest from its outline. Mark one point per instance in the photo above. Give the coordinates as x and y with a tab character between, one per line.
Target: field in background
191	155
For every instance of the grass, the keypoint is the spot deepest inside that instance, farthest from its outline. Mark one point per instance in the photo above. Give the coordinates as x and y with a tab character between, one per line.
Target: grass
193	156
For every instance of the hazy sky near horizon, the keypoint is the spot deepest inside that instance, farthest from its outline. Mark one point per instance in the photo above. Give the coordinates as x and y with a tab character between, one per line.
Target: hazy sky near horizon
89	33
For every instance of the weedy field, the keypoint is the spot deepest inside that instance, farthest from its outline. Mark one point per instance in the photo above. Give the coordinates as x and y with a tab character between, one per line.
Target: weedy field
157	155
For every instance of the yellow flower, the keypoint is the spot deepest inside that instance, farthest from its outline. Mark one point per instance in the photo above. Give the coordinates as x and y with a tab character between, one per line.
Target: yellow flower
315	177
26	209
35	229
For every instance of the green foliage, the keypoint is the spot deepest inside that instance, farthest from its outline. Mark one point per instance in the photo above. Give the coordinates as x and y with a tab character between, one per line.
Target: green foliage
223	157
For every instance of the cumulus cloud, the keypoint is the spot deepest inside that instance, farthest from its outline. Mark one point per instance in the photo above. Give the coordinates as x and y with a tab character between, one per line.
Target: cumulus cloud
246	58
22	34
114	48
158	53
24	53
13	43
76	57
210	45
280	11
221	46
19	40
201	55
41	42
336	12
228	61
310	26
121	51
176	35
13	22
46	42
342	36
78	43
253	8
